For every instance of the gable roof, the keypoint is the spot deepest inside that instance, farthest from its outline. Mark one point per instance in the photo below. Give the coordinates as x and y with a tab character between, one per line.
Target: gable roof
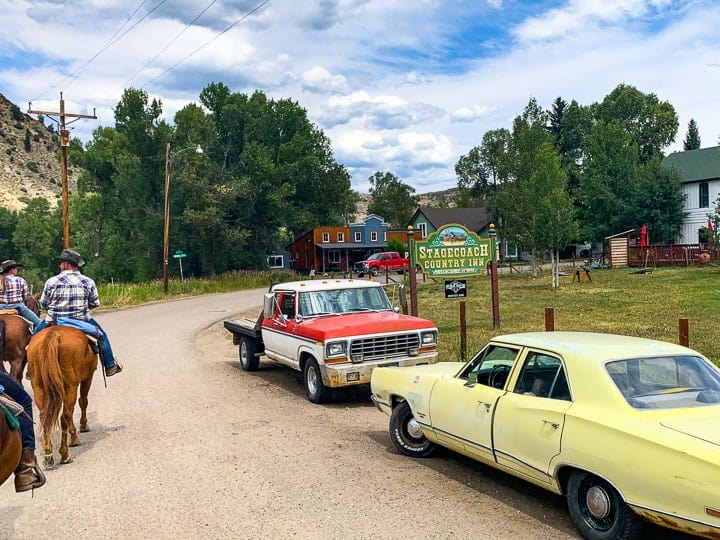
695	165
473	219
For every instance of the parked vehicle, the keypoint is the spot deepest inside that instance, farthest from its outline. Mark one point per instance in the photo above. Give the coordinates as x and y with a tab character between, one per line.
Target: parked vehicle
625	428
335	331
390	261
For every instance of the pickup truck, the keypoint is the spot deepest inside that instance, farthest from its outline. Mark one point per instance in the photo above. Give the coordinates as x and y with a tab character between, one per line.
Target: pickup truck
334	331
390	261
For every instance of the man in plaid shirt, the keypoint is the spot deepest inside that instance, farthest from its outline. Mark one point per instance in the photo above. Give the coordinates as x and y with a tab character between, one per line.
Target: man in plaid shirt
14	291
68	298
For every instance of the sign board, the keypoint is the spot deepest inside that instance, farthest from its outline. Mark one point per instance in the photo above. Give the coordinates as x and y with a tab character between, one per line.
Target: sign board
457	288
179	254
453	251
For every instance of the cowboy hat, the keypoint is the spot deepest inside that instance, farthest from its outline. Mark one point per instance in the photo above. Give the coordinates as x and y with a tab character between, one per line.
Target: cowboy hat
8	265
73	257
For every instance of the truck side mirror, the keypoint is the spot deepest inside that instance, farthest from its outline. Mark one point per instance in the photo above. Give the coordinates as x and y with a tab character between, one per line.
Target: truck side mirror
268	305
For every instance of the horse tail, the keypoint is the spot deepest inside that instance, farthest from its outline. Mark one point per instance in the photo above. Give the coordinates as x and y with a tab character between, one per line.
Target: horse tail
50	376
2	345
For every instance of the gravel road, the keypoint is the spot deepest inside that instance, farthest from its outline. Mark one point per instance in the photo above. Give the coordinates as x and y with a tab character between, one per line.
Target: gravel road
185	445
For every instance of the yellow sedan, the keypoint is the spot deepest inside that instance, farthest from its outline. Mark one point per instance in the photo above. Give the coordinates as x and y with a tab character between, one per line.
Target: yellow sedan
625	428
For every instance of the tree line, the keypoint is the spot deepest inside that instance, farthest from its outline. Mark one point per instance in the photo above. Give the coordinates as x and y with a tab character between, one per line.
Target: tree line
266	175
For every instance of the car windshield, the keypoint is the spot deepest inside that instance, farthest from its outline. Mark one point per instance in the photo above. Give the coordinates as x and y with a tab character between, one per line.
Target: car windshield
666	382
314	303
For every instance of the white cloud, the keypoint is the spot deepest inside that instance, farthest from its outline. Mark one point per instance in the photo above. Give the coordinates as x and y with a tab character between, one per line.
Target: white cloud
319	79
468	114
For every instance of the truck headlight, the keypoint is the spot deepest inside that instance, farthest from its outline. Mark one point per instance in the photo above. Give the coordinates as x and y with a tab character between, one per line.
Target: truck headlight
335	349
428	338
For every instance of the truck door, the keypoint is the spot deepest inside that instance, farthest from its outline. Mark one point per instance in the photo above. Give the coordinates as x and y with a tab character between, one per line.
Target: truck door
282	329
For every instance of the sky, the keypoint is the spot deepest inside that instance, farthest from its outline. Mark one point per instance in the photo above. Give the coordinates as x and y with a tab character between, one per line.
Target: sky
400	86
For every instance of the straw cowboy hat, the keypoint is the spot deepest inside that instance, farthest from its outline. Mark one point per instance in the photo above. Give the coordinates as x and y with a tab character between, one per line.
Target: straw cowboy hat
73	257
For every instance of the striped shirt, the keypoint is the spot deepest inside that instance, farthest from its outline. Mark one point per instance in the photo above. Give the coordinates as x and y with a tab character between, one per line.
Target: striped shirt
69	294
15	291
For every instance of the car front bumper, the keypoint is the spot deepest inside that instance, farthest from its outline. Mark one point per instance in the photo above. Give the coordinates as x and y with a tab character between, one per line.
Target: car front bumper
339	375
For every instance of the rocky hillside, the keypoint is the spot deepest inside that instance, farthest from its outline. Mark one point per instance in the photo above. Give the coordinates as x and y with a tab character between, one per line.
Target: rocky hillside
29	159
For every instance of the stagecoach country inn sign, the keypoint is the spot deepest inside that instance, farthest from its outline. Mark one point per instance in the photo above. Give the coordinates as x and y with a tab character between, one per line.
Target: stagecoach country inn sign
453	251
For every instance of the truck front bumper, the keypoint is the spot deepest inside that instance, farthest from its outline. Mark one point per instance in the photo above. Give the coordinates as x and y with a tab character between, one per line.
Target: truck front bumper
339	375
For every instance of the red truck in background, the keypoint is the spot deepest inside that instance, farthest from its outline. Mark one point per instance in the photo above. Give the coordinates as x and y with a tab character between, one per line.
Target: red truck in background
390	261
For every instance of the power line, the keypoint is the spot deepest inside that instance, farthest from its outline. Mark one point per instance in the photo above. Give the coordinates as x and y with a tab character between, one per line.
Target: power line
241	19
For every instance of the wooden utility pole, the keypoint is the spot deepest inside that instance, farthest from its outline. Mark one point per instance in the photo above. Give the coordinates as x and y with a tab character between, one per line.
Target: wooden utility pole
64	143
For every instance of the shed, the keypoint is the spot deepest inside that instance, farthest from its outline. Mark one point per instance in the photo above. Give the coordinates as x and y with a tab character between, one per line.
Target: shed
618	247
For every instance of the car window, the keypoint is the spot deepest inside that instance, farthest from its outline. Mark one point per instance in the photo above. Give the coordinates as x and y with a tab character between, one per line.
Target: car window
491	366
666	382
543	376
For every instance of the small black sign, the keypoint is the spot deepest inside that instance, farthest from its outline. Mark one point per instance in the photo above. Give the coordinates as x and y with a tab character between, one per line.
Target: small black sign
456	288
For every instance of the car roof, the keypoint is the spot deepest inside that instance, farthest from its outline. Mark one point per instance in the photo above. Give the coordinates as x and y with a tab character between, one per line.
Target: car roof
594	346
325	284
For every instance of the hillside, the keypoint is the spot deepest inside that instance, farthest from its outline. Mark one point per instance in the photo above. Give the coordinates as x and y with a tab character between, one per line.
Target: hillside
29	159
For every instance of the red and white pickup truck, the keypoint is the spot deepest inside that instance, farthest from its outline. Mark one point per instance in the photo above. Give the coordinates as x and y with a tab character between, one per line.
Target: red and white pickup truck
390	261
335	331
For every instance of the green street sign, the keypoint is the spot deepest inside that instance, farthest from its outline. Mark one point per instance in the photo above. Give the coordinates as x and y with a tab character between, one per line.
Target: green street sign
453	251
179	254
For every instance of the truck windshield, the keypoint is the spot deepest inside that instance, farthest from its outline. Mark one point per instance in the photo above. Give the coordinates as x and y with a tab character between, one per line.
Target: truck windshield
313	303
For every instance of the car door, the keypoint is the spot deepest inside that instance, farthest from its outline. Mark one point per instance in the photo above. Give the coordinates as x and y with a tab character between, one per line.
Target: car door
529	420
283	344
461	408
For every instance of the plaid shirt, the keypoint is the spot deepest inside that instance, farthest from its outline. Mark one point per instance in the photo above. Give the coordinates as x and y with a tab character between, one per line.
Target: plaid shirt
15	291
69	294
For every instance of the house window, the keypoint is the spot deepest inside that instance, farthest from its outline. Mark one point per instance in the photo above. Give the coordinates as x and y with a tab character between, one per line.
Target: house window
423	229
275	261
341	237
326	237
334	256
373	236
704	195
358	237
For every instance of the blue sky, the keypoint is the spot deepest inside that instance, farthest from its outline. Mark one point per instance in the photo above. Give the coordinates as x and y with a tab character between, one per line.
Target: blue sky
406	86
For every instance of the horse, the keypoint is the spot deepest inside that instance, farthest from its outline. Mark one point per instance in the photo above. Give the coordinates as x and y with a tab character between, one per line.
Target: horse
14	338
60	360
10	449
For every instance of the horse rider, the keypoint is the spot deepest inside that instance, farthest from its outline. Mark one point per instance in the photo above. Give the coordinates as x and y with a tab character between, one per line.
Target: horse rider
28	474
68	298
14	292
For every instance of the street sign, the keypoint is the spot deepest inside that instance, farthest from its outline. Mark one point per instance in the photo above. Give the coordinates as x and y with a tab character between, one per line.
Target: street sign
453	251
457	288
179	254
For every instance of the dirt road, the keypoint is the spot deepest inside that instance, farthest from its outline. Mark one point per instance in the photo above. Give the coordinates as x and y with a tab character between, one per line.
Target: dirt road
183	444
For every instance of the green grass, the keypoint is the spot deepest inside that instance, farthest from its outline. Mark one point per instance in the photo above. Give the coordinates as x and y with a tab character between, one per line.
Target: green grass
616	301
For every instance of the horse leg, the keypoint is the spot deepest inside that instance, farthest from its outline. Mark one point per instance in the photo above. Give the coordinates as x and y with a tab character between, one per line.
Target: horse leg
68	426
49	459
84	391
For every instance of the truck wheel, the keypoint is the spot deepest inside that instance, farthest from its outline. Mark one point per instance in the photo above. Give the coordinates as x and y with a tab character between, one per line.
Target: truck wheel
316	391
406	434
249	348
360	274
374	271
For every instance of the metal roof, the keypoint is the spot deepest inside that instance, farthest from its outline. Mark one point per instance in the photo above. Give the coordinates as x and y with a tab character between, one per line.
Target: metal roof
695	165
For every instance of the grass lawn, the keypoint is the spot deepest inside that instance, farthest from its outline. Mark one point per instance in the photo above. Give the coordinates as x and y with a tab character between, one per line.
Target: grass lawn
616	301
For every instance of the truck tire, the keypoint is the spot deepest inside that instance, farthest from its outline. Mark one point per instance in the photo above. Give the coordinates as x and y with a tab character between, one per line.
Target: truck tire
315	390
360	274
374	271
249	349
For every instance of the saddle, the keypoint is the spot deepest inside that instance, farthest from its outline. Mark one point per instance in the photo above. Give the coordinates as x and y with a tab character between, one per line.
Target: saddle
13	311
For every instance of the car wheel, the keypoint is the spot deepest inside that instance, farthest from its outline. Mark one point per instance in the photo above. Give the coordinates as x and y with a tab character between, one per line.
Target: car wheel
360	274
406	434
315	390
598	511
374	272
249	349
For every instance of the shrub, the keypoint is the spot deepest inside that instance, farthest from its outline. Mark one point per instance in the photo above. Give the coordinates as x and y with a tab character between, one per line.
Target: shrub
32	166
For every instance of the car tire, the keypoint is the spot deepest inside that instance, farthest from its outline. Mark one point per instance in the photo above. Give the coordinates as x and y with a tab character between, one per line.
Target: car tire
248	350
406	434
598	511
315	390
374	272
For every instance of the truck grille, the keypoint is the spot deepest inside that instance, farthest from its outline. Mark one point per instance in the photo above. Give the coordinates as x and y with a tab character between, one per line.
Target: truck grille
377	348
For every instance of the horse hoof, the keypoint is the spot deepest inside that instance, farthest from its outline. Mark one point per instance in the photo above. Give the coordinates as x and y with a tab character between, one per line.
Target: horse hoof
84	429
49	461
75	442
66	460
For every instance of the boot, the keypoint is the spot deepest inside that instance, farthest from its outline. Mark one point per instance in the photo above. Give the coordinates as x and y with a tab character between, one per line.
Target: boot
28	475
112	370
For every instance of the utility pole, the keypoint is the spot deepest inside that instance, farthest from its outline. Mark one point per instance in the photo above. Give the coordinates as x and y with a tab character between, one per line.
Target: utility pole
64	143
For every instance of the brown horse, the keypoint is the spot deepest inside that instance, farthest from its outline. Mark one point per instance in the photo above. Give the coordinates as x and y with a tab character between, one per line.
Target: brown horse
59	361
14	338
10	449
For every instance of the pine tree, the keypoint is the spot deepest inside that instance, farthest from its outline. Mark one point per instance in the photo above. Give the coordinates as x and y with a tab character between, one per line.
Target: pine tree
692	139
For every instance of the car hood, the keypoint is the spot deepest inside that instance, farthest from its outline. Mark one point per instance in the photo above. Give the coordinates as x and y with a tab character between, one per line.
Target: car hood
704	428
362	323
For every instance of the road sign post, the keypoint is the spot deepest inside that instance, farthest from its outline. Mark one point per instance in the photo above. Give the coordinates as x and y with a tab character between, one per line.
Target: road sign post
179	255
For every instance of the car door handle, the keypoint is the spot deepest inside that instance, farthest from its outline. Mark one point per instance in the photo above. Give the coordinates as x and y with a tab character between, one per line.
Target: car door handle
553	425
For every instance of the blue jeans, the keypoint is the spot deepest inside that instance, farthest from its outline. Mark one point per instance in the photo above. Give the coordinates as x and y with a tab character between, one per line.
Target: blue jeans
92	328
24	311
18	393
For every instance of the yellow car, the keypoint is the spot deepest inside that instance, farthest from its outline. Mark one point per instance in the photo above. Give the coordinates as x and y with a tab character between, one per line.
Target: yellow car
625	428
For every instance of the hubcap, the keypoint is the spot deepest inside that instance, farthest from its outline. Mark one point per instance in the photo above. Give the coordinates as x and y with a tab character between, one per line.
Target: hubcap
413	429
598	502
312	380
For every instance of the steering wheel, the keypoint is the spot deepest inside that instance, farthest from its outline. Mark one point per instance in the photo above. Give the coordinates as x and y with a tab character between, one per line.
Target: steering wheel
498	375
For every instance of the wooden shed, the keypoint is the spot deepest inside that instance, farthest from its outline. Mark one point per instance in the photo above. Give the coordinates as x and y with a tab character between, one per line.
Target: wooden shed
618	247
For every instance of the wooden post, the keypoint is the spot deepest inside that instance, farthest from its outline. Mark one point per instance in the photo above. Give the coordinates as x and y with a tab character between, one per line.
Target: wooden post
684	333
549	319
463	332
413	275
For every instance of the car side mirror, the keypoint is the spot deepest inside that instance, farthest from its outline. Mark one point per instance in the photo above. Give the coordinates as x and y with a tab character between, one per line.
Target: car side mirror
268	305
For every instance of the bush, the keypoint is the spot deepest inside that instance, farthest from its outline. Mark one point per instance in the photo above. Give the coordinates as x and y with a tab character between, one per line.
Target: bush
32	166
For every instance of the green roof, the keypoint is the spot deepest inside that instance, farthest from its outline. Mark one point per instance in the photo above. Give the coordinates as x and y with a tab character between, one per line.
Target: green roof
696	165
